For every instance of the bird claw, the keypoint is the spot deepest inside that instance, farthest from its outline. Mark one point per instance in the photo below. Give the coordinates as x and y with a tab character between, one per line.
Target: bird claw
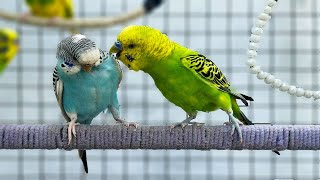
128	124
230	123
182	124
235	125
71	130
197	124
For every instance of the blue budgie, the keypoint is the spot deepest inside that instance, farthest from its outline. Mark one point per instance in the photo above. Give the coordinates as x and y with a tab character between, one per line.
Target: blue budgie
85	81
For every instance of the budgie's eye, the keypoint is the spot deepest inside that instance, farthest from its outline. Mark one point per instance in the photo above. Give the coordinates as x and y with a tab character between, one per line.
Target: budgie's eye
131	46
62	65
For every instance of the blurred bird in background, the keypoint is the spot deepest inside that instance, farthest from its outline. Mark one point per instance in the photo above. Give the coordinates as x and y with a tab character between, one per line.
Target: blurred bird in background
85	81
9	46
52	9
185	77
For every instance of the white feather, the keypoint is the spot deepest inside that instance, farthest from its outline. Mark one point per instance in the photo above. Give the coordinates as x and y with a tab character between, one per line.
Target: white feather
90	56
76	38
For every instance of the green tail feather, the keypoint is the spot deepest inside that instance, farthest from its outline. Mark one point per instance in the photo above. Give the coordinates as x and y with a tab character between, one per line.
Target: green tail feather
238	113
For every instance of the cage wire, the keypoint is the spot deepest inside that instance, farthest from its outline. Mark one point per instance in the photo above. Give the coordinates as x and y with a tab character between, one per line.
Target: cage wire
219	29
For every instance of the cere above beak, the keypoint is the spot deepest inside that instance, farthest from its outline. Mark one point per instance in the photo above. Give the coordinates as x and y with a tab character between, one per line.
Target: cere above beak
87	67
116	48
118	45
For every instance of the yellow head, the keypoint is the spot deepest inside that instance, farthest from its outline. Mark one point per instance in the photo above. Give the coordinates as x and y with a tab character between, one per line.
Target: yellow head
139	47
9	44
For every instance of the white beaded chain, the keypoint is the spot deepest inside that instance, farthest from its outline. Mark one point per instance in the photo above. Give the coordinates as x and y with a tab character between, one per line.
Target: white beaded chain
256	32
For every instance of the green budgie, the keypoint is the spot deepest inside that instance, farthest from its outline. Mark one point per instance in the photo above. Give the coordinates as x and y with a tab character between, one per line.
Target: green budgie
185	77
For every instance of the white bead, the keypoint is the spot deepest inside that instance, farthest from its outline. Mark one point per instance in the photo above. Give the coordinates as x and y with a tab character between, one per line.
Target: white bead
262	75
251	62
114	56
269	79
277	83
308	94
256	31
316	95
264	17
300	92
267	10
252	54
254	38
292	90
255	70
272	3
284	87
260	23
253	46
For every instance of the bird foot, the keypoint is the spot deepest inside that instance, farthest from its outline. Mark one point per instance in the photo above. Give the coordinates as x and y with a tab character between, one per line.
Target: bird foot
71	130
230	123
197	124
128	124
235	125
183	124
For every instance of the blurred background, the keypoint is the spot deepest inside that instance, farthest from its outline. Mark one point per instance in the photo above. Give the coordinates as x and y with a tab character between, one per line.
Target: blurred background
218	29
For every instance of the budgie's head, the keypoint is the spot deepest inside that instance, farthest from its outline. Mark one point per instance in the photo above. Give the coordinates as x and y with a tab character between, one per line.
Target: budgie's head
9	43
78	52
140	47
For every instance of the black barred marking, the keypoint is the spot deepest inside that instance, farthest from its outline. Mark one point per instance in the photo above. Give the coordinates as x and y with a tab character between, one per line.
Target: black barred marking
207	69
55	79
69	51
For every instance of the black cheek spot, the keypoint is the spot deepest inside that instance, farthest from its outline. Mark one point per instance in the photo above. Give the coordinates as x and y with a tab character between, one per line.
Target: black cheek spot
62	65
129	57
129	66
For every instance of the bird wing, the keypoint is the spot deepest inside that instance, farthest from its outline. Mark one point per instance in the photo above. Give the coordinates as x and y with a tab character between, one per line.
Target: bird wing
58	91
208	71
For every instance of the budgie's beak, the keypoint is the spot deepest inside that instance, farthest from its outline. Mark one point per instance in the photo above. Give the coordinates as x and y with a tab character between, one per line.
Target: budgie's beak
87	67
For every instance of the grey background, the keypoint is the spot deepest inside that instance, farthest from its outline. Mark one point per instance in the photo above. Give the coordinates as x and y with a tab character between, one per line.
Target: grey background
218	29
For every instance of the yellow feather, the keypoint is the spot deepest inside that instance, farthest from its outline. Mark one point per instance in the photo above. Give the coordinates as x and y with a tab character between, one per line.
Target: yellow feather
8	42
56	8
157	45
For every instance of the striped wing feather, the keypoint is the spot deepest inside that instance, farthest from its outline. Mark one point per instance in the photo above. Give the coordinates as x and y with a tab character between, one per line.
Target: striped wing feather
206	69
58	91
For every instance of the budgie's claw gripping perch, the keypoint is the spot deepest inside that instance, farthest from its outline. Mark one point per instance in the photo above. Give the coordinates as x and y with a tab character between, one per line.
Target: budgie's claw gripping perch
126	123
71	130
184	124
235	125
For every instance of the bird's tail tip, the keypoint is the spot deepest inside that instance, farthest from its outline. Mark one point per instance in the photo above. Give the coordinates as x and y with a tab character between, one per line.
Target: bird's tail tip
83	157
